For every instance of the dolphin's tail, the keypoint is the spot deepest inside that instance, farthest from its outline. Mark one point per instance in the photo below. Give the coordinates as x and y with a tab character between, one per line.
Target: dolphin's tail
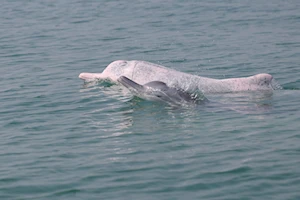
131	85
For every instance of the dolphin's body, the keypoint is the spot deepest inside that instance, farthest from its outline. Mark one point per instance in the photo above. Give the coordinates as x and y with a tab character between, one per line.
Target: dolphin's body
142	72
159	91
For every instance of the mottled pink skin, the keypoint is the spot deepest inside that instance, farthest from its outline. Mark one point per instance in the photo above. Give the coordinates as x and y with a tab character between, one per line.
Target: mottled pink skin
251	83
143	72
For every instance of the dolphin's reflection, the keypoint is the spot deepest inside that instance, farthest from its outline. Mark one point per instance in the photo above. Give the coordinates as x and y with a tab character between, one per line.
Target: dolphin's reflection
118	119
254	102
128	114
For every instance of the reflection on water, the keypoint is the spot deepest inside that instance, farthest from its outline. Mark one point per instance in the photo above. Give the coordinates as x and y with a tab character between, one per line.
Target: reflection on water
128	114
252	102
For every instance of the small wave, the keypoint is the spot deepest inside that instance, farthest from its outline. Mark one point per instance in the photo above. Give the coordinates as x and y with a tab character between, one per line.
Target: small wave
275	85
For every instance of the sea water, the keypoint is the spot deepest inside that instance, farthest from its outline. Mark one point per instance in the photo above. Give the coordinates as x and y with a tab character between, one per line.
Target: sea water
63	139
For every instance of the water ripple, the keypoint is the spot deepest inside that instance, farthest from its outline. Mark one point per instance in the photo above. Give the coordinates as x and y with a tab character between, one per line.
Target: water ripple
61	139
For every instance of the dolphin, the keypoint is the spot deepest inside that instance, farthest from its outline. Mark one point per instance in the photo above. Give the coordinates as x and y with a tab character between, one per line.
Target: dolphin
159	91
142	72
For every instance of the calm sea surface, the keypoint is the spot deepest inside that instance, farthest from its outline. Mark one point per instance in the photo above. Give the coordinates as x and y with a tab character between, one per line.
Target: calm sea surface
63	139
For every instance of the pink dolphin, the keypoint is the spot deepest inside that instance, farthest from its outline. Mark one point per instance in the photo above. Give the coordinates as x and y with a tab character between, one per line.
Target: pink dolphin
143	72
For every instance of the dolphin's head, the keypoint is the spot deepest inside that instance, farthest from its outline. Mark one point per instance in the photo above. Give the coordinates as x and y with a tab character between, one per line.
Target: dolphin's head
112	72
159	91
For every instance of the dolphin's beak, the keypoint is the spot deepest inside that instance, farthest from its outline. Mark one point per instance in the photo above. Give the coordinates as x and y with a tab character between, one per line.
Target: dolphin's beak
89	76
